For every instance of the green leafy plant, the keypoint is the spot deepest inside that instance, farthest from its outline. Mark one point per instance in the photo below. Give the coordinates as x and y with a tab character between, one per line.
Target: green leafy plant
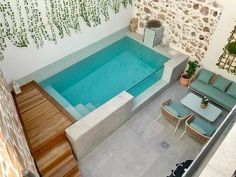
205	101
231	47
28	23
192	67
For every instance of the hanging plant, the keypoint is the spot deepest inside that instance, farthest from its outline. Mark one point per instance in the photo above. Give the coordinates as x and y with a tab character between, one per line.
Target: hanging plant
104	9
227	60
61	19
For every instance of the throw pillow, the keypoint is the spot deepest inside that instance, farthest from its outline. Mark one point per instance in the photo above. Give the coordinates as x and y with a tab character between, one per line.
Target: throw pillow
221	83
232	90
205	76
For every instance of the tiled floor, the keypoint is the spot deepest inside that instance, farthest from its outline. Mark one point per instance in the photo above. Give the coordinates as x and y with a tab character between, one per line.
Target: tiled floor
143	147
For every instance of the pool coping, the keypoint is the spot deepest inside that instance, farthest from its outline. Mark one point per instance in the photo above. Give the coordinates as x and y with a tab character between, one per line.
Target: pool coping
87	133
115	112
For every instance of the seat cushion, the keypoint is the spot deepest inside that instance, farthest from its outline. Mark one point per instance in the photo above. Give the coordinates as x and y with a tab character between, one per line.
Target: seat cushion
205	76
171	110
221	83
181	110
232	90
214	93
198	128
202	126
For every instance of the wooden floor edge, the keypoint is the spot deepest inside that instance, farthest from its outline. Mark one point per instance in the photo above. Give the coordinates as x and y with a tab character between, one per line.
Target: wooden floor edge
24	129
45	146
51	99
21	120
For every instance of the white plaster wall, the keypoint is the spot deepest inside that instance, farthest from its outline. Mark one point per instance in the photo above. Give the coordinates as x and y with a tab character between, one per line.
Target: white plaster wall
20	62
219	38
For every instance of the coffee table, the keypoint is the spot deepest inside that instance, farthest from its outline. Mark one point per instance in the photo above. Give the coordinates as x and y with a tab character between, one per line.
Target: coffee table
193	102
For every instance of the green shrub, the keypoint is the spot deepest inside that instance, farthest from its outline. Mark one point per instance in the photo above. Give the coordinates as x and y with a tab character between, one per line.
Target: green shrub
192	67
231	47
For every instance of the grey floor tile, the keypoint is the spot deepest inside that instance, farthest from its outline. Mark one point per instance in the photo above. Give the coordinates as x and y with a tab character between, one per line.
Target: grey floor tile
136	148
160	168
116	167
138	122
96	159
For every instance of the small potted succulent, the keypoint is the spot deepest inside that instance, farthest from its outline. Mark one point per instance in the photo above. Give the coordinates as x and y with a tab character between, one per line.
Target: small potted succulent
231	47
204	102
189	73
153	33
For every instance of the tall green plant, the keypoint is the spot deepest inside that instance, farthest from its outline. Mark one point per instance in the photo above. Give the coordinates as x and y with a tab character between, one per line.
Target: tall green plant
192	67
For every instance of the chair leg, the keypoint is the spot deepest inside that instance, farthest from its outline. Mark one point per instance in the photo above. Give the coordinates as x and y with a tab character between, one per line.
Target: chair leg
182	135
176	127
158	117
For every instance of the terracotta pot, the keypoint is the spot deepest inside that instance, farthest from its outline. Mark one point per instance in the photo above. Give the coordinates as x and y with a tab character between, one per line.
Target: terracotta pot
183	81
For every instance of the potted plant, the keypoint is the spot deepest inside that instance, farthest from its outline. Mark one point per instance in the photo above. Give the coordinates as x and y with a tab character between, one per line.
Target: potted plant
153	33
185	77
204	102
231	47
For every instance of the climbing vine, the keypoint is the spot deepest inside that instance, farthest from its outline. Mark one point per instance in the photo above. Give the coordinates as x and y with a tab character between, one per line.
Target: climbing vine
38	21
227	60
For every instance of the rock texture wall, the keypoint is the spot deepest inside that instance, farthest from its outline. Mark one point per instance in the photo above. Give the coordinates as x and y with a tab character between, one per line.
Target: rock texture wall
189	23
14	152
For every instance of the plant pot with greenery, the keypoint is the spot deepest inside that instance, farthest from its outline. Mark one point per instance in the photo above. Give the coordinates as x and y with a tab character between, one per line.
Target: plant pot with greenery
231	47
189	73
204	102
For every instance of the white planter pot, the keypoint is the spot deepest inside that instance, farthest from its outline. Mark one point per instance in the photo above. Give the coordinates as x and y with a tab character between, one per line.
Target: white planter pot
153	36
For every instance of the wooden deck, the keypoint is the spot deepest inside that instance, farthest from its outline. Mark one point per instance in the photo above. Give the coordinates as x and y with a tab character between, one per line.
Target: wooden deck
44	122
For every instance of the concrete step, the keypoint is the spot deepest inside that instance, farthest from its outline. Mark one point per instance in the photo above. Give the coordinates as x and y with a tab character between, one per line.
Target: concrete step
82	109
74	112
63	102
90	106
57	96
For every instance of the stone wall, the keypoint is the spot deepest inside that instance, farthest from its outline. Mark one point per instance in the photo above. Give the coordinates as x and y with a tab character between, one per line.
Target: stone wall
189	23
14	152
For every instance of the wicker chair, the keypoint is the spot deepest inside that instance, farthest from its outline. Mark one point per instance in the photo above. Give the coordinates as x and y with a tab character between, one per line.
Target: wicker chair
198	135
172	117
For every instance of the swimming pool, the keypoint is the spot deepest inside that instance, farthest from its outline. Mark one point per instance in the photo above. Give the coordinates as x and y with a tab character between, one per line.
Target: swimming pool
124	65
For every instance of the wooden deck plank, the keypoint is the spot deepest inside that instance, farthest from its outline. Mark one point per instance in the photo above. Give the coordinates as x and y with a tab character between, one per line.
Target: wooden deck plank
44	122
55	155
28	100
51	127
40	113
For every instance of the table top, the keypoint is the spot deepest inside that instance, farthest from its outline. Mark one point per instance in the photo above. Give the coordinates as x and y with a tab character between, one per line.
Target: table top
193	102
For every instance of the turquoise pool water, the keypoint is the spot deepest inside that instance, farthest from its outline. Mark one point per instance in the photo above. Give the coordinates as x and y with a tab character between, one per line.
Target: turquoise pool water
124	65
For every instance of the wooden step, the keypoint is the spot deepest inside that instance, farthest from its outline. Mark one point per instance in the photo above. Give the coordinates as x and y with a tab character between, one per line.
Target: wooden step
73	172
44	122
48	145
63	168
53	157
